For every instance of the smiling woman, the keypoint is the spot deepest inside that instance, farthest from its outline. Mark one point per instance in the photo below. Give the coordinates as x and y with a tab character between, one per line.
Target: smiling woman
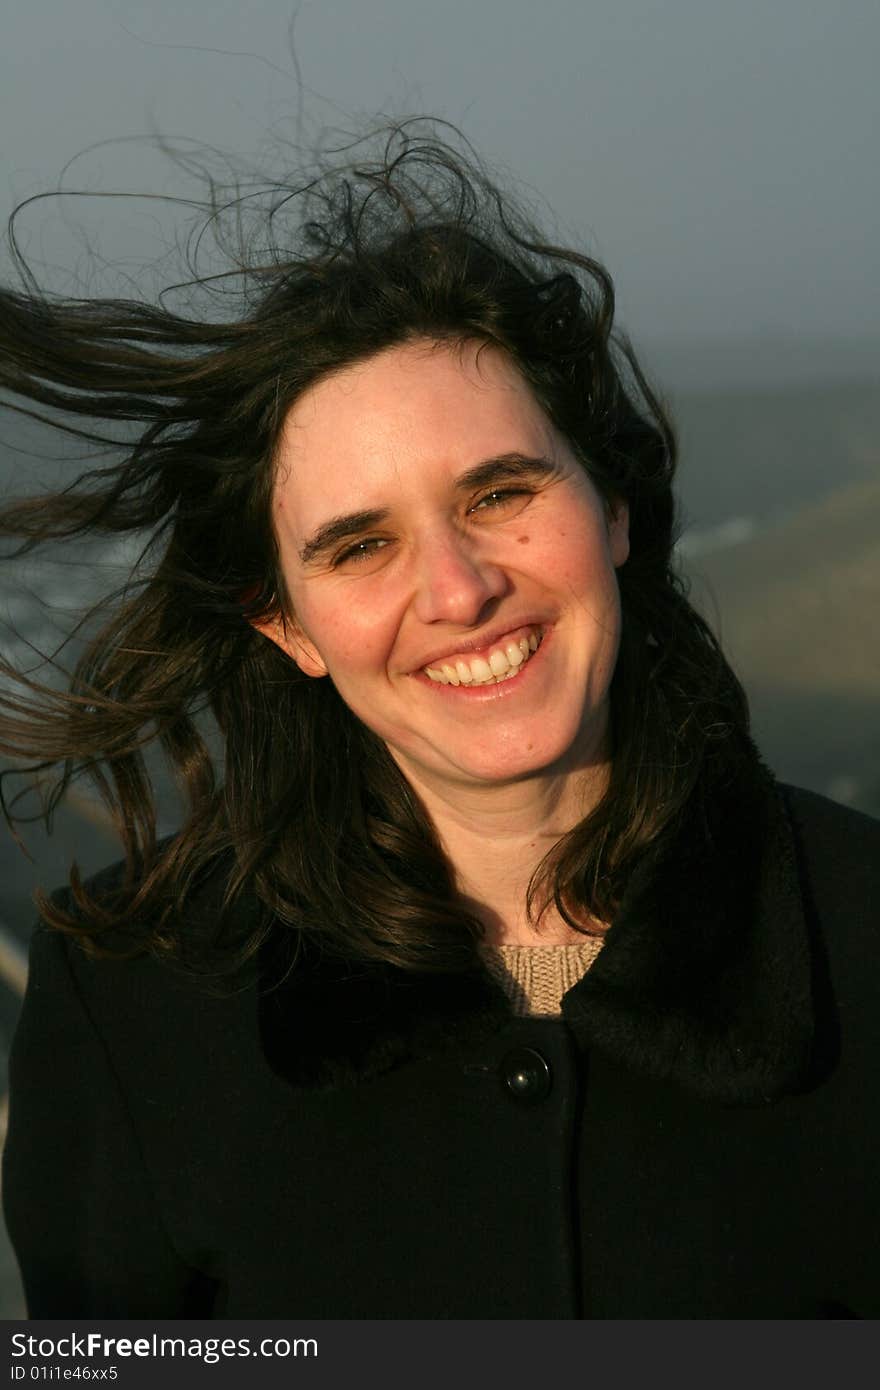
477	531
492	972
484	553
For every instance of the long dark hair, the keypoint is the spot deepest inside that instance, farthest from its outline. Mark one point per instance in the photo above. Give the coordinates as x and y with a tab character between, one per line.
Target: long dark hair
305	806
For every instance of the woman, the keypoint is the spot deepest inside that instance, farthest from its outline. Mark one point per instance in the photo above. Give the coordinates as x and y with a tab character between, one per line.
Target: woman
494	975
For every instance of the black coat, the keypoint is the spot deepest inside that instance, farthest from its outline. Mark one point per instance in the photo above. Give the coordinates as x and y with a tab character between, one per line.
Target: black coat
698	1138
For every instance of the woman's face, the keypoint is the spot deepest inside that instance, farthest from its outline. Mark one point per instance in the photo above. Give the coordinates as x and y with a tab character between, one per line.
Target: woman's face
450	565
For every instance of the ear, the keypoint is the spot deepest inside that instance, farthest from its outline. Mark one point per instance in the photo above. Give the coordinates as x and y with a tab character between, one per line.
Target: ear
617	514
294	643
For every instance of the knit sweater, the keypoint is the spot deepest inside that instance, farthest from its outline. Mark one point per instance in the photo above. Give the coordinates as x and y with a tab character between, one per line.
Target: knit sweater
536	977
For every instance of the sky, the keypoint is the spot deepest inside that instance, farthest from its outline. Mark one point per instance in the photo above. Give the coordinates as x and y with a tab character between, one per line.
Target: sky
720	158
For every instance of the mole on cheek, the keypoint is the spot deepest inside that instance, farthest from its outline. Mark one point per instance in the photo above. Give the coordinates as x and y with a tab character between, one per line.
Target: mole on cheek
523	540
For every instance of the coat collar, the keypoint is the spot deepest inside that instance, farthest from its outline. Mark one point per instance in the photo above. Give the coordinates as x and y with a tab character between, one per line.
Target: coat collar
704	978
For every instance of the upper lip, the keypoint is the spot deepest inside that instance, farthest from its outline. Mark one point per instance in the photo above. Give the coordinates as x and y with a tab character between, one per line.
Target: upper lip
490	638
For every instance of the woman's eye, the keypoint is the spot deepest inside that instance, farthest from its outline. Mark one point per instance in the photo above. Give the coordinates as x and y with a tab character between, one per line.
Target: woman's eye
361	550
500	497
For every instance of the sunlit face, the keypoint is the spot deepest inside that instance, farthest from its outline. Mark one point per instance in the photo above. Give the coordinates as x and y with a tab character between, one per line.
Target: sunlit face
450	565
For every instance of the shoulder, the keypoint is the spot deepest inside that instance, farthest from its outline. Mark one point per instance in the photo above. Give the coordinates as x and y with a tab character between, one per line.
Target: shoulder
182	917
820	815
121	979
838	852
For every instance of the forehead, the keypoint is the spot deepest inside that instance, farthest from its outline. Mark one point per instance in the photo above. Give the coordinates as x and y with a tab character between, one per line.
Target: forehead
409	416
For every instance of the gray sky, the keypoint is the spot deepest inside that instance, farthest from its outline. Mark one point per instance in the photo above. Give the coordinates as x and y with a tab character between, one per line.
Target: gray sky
720	157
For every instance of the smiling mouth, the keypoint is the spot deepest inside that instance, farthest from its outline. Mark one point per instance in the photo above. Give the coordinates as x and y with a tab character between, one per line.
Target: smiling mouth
502	663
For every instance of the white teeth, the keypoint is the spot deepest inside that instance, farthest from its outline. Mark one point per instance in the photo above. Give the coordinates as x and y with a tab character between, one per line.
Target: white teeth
480	669
502	664
499	663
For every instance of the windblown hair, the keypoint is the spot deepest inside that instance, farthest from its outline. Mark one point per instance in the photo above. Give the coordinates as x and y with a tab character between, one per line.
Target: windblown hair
306	807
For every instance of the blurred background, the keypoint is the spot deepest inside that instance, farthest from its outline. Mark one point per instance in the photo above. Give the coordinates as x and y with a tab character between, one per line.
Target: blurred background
719	159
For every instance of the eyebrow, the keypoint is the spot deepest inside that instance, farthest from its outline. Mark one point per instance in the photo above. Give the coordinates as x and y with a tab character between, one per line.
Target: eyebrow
504	468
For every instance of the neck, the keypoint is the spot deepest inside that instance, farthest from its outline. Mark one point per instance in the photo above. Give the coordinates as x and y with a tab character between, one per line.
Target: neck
495	838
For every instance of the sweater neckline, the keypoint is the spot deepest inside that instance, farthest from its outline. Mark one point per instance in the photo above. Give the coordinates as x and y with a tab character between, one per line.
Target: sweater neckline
535	978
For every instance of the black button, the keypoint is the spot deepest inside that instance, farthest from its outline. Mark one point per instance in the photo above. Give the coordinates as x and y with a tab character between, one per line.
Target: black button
525	1075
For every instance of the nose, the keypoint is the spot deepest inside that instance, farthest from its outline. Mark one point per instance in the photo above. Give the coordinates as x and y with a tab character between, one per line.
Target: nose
456	583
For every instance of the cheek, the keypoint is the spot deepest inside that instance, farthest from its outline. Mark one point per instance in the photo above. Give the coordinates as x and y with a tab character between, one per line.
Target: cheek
351	634
576	554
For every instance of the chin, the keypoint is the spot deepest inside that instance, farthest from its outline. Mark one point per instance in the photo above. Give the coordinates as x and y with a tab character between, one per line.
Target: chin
520	753
524	762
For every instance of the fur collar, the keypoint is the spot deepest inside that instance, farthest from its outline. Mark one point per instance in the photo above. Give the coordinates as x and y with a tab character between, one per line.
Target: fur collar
704	978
